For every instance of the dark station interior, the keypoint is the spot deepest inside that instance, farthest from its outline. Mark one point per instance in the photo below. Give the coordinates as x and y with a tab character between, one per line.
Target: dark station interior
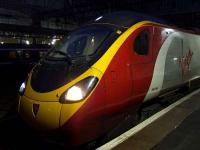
29	28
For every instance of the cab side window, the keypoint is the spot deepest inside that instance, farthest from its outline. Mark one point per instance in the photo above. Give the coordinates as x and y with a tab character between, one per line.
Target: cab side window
141	44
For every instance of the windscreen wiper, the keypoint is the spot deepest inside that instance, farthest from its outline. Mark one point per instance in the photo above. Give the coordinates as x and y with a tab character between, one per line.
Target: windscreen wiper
67	57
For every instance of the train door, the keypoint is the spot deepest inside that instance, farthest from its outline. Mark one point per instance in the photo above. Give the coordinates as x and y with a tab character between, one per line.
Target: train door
141	60
173	63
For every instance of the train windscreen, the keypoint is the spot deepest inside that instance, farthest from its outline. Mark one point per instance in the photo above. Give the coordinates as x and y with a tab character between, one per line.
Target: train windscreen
83	42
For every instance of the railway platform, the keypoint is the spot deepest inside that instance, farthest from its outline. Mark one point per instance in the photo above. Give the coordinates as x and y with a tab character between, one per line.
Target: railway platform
176	127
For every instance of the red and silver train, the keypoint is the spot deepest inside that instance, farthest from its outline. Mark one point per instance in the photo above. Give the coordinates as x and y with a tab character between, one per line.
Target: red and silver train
103	71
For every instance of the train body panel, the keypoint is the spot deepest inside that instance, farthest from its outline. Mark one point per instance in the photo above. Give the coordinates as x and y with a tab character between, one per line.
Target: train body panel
179	66
146	60
112	99
191	53
41	115
160	72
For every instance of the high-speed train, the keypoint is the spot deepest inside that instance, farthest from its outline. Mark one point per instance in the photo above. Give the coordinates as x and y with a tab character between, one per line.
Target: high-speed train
86	85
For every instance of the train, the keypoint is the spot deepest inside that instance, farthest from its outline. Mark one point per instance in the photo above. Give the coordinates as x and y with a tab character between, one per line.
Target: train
105	70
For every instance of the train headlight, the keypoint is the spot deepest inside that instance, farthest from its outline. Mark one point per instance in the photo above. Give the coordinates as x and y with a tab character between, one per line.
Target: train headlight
74	93
79	91
22	88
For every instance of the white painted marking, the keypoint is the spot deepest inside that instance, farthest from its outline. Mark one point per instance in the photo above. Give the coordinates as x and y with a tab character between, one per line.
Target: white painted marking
123	137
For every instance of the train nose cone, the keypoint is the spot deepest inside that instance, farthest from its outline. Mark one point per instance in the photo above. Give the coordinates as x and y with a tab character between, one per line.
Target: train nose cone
40	115
35	109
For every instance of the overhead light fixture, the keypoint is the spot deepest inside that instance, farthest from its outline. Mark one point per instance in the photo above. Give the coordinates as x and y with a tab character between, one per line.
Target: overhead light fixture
27	42
53	42
98	18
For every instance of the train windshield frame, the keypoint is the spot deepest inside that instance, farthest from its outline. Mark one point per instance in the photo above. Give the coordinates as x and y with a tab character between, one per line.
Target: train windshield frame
84	42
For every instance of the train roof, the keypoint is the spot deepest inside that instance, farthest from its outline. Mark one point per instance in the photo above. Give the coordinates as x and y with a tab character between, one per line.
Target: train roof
126	18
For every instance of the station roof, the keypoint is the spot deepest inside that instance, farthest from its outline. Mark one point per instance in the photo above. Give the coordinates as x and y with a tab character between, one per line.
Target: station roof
126	18
69	14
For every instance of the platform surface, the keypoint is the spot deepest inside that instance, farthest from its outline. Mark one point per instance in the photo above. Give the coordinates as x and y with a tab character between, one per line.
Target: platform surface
178	129
185	137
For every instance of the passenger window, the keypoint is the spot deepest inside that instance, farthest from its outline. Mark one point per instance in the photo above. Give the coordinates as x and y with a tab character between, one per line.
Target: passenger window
141	44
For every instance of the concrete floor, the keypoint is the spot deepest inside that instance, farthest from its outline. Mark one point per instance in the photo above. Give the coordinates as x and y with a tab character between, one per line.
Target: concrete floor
178	129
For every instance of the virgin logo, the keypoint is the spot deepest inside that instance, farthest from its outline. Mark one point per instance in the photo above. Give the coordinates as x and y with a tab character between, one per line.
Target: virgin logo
185	62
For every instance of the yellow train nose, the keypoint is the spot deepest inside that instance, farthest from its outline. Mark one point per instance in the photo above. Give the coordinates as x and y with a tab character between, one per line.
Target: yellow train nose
41	115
